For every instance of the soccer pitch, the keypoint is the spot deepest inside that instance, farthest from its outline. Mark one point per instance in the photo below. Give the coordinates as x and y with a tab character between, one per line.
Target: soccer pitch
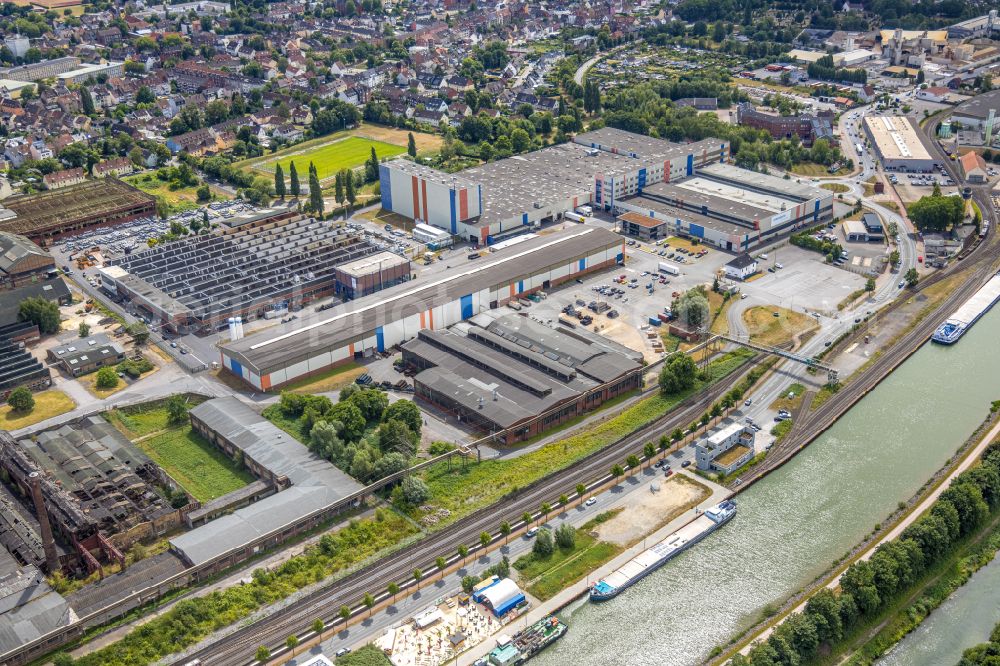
329	158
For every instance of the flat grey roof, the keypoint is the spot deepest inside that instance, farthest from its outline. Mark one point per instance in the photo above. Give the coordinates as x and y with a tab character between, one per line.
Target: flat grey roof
285	344
29	608
315	482
674	212
979	106
372	263
95	347
764	181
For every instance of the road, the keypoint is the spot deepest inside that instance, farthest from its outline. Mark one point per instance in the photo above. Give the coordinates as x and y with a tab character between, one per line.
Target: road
237	648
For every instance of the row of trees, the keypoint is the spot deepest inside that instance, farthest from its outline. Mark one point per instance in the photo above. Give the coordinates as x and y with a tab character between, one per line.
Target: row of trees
868	587
824	70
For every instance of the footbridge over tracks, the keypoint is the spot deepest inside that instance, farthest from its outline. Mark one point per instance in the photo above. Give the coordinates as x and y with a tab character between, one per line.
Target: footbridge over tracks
831	373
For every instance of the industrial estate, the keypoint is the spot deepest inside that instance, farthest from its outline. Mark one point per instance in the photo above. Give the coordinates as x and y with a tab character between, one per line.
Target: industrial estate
389	334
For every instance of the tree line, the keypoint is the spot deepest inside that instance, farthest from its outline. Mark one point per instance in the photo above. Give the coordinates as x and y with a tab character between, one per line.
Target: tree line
868	587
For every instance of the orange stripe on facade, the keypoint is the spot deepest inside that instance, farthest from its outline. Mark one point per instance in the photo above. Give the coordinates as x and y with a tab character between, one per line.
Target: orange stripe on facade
423	320
463	205
265	382
423	190
416	196
484	236
431	314
351	348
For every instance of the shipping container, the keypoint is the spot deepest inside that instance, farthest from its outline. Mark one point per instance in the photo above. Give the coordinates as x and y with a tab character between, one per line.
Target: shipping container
669	269
655	321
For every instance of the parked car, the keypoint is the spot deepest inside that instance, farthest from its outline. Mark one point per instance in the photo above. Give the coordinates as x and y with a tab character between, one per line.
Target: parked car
590	502
686	463
531	533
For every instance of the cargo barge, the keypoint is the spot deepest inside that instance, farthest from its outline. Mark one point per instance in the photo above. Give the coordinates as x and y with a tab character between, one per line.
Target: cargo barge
652	559
979	304
528	642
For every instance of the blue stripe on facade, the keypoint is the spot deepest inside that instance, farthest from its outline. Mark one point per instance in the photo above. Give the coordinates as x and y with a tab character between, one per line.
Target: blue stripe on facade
697	231
583	264
466	306
237	368
385	185
524	218
380	339
620	258
642	180
454	212
480	187
690	165
520	286
816	211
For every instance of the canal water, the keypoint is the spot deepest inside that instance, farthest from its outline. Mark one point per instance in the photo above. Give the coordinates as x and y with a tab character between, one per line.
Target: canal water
965	619
795	522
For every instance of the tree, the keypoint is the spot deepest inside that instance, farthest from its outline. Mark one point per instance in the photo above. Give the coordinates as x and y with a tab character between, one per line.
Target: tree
463	552
678	374
138	332
650	450
263	653
393	589
292	642
505	530
415	491
911	277
936	212
441	564
580	490
21	400
617	471
338	188
371	167
369	601
632	461
566	536
345	613
318	625
41	312
107	378
86	101
293	177
83	329
485	539
204	194
417	575
692	309
349	192
411	145
279	181
870	285
546	509
543	546
394	435
894	258
315	195
177	409
677	435
527	518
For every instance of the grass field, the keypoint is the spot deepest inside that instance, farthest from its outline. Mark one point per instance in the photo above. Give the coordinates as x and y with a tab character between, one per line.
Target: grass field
767	329
47	405
330	158
547	577
204	471
179	200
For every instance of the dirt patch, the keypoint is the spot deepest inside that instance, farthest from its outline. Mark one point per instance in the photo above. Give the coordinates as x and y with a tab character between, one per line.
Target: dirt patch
424	141
648	511
622	333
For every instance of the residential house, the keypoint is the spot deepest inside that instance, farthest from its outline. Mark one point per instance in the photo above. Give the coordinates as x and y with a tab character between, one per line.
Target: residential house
64	178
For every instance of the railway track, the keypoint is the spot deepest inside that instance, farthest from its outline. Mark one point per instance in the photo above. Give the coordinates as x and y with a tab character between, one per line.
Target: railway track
238	648
979	264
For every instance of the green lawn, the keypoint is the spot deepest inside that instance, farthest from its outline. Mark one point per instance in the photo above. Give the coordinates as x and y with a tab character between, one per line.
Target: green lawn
204	471
330	158
547	577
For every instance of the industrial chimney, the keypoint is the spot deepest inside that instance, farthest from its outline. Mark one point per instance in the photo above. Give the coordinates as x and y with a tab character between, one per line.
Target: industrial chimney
48	543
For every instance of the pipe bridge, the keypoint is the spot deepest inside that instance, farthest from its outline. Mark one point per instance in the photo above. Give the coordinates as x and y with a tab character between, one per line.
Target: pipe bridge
831	373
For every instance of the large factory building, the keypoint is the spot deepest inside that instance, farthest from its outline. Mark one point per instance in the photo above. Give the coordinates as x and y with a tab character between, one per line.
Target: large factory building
499	199
900	144
725	206
276	356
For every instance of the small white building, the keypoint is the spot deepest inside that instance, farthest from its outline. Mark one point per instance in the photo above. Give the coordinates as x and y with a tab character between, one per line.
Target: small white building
741	267
725	450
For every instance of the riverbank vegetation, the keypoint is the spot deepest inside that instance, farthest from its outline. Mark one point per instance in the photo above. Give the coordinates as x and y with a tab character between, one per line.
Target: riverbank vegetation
868	589
572	554
983	654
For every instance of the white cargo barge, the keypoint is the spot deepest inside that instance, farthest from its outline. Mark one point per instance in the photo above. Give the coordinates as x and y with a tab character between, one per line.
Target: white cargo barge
956	325
653	558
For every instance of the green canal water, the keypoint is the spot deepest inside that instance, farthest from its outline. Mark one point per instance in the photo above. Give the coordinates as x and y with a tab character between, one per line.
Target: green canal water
795	522
965	619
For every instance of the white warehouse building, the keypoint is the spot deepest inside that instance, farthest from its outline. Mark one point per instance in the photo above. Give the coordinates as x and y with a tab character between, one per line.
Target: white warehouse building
275	356
486	203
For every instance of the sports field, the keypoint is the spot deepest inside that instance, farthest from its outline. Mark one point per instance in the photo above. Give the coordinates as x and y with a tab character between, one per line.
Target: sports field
329	158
